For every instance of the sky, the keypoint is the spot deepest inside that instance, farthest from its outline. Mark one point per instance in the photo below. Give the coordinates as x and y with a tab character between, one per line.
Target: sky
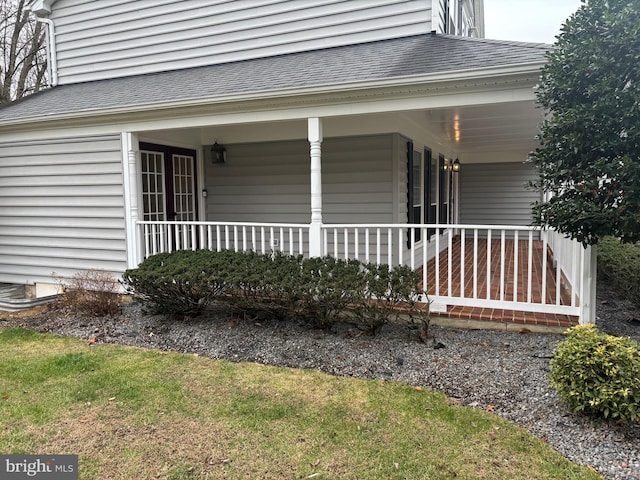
526	20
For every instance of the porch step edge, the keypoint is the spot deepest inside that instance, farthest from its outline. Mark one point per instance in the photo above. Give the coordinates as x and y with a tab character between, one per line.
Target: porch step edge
472	324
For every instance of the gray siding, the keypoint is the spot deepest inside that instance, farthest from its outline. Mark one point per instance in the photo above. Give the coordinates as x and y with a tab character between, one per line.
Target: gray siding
111	38
495	194
61	208
357	179
269	182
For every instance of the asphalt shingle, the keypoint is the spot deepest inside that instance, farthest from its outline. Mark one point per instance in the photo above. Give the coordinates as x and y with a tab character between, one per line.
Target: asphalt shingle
381	60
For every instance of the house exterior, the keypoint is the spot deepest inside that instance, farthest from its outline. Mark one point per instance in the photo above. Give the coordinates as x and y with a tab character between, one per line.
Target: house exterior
388	130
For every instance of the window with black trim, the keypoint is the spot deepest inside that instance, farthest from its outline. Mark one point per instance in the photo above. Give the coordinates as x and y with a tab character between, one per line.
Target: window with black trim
418	191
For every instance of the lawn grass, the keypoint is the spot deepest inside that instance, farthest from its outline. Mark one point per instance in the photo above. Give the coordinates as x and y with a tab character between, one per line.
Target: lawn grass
133	413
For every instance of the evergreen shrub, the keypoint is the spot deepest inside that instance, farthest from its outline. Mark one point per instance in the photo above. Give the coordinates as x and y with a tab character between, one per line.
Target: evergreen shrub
598	374
321	290
619	265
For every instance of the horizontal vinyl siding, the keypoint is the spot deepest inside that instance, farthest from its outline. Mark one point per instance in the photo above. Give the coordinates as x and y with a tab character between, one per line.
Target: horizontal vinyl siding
111	38
61	208
495	194
261	182
357	180
269	182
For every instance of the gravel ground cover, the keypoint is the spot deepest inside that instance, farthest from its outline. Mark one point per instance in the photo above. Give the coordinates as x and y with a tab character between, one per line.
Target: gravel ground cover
502	372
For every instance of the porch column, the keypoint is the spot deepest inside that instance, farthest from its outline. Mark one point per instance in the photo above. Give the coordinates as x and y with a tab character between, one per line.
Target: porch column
315	229
130	155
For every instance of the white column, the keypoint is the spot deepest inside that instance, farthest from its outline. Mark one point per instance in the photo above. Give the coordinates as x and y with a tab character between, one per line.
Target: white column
130	155
315	230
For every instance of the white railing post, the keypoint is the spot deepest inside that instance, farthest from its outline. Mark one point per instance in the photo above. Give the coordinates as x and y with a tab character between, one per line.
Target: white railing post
588	286
315	229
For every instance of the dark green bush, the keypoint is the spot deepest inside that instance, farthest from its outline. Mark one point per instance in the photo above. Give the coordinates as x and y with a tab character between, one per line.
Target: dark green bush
619	266
389	293
320	290
598	374
178	283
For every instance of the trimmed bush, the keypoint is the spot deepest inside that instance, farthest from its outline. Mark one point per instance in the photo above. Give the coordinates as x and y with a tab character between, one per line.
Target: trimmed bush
598	374
619	265
321	290
180	283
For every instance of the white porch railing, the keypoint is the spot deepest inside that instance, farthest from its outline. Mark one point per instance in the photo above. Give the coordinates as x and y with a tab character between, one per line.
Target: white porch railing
489	266
158	237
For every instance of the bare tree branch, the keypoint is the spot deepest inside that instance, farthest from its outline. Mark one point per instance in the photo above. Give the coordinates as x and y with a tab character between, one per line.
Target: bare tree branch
23	63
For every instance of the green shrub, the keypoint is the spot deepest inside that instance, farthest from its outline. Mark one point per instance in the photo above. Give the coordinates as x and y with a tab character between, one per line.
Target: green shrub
322	290
178	283
619	265
598	374
389	293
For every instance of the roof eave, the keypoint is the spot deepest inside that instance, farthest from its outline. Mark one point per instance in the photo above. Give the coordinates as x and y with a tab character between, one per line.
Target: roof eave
460	78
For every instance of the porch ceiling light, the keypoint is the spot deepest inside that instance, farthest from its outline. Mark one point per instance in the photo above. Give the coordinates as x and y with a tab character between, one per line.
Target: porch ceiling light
218	153
455	166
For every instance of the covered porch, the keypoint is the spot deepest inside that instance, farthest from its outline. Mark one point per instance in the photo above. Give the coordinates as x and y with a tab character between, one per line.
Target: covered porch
271	190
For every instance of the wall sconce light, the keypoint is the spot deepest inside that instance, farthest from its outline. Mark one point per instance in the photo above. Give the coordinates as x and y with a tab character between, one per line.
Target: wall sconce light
218	153
455	166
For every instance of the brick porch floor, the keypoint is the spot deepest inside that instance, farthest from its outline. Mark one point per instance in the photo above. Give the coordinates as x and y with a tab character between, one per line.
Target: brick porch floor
496	314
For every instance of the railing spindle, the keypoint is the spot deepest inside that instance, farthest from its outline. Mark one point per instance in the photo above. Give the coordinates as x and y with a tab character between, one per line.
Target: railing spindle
502	265
558	269
449	264
412	251
475	263
366	245
463	261
346	244
291	242
543	289
355	243
244	238
530	267
489	261
437	266
425	260
516	273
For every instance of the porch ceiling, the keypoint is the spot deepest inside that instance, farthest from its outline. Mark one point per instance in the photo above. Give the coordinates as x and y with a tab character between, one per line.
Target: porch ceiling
489	133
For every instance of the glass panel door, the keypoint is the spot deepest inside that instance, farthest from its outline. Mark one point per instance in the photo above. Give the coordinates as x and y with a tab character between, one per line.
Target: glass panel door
168	183
153	186
184	203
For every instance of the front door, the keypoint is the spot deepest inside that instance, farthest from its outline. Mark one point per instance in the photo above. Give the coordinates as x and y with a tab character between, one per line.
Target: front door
168	183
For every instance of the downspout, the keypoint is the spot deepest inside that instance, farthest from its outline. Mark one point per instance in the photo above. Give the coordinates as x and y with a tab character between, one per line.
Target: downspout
51	47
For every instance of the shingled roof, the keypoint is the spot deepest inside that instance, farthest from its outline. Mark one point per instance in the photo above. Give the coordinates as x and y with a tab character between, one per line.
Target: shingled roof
382	60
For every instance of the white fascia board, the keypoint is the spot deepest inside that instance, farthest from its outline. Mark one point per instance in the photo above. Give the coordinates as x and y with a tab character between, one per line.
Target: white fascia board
337	99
